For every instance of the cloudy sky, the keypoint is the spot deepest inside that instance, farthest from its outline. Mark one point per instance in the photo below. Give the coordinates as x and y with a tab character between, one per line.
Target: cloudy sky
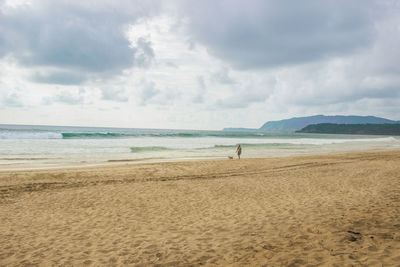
196	64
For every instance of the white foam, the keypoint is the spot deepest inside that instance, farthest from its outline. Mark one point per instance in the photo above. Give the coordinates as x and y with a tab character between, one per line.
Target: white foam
29	135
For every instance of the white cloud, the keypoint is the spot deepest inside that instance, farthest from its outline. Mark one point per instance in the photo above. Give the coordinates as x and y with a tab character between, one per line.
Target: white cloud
13	100
69	97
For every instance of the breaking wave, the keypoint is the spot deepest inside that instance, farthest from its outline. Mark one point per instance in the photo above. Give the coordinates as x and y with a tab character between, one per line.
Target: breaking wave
148	148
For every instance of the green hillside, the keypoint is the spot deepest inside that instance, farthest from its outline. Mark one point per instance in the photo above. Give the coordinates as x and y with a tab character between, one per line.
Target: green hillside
369	129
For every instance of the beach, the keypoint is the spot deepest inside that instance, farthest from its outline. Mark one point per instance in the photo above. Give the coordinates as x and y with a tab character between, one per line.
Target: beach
332	209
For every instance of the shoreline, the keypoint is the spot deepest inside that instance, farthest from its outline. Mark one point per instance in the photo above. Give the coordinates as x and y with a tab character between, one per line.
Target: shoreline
135	161
77	153
335	209
113	162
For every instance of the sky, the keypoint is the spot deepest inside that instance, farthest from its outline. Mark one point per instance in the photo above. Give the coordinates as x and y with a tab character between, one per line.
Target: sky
196	64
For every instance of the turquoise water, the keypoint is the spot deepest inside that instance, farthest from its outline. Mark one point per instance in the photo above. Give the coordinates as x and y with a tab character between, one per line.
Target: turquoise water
26	146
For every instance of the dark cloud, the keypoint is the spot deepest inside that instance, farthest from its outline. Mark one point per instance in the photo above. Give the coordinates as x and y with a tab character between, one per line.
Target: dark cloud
88	36
261	33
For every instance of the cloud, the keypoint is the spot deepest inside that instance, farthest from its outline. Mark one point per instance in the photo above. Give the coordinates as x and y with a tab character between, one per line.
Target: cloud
68	97
222	76
171	65
321	54
199	98
228	62
263	34
151	93
74	36
245	96
148	92
144	53
59	77
338	86
12	99
114	94
201	83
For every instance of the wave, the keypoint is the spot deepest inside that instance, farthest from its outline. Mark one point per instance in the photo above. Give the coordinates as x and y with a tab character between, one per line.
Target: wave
29	135
127	135
162	148
257	145
138	149
288	139
281	143
92	135
47	132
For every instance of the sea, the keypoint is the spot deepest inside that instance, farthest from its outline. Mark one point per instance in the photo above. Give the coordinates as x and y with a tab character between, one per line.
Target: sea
35	146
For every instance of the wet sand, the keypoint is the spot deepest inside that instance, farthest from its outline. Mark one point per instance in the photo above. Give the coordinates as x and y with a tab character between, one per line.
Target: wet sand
315	210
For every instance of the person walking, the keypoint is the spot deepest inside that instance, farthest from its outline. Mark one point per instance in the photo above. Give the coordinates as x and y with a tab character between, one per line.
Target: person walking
239	151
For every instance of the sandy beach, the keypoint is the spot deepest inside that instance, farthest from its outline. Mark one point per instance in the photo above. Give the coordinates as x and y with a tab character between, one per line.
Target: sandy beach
333	210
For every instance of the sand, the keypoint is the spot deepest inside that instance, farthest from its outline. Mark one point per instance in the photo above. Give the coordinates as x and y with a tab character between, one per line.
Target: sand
333	210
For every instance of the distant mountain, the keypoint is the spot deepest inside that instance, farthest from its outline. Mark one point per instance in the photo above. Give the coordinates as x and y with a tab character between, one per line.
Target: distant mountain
372	129
294	124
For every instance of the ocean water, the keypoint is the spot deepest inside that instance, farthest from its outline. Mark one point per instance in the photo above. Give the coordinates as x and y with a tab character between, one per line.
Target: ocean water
27	146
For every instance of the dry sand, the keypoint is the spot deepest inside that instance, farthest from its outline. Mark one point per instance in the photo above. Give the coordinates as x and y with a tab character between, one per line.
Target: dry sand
329	210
